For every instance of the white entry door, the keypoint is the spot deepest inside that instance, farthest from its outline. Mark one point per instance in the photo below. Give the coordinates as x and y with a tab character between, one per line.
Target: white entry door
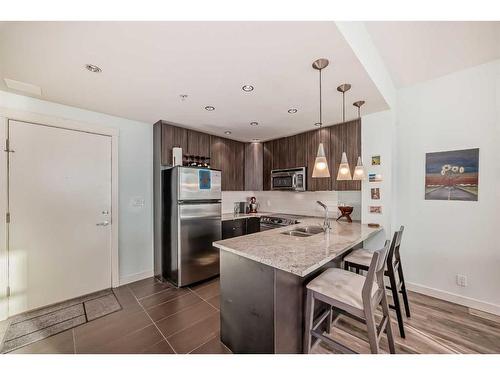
60	214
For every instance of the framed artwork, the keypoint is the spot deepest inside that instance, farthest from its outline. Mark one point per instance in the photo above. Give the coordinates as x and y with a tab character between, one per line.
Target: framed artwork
376	160
452	175
374	177
375	209
375	193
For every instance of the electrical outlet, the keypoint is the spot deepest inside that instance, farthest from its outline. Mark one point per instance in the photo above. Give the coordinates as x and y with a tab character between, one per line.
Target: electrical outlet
462	280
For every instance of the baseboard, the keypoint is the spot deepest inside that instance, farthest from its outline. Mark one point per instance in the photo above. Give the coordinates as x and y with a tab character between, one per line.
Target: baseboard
136	277
455	298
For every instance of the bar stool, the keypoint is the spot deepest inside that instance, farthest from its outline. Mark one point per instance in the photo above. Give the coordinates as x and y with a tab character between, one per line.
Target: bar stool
361	258
353	295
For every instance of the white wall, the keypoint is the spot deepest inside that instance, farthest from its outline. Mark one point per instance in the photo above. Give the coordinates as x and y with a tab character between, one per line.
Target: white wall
135	178
446	238
377	138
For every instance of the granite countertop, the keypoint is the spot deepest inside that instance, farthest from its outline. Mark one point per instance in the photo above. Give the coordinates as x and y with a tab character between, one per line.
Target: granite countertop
298	255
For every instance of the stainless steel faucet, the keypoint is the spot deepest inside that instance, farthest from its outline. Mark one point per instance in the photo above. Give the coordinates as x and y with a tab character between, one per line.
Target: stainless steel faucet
326	225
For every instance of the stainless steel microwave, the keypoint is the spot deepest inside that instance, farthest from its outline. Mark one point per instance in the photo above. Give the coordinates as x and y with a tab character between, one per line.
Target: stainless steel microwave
293	179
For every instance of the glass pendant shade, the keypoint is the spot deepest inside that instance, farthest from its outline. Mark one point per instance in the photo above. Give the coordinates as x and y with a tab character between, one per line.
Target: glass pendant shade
320	164
359	171
344	170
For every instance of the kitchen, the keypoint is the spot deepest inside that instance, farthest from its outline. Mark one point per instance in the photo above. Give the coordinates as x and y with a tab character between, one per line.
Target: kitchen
245	207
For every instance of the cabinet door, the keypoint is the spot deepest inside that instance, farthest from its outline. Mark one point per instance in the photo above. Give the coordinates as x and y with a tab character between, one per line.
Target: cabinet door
229	156
268	165
238	165
279	153
253	166
313	139
198	144
253	225
300	150
233	228
172	136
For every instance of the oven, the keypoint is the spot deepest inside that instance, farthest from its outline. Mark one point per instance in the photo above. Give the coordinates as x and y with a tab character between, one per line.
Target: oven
292	179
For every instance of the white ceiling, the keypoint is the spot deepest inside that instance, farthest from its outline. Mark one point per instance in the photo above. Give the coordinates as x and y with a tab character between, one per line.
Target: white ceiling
418	51
147	65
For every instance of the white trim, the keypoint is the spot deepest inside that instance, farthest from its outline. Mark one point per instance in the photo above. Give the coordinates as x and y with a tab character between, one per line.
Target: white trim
3	225
136	277
455	298
65	123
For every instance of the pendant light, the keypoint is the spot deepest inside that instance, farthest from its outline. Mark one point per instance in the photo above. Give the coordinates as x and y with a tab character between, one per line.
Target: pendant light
344	172
320	164
359	171
358	104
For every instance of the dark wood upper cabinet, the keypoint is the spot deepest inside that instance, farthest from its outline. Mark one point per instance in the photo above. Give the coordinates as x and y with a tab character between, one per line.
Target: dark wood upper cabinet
267	164
253	166
171	136
239	163
300	150
228	156
198	143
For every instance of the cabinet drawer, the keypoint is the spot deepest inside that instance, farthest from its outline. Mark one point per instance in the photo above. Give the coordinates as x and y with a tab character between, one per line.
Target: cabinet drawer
233	228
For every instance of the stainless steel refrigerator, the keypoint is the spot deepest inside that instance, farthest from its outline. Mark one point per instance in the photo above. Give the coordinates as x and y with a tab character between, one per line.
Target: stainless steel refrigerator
191	221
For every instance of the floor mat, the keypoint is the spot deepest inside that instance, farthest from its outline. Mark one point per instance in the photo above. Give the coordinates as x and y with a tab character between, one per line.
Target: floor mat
39	324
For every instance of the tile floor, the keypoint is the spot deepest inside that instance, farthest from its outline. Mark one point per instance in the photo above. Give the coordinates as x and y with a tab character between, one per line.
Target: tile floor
156	318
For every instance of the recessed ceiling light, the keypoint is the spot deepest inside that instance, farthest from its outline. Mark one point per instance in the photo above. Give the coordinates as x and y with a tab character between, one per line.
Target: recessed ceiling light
210	108
227	132
93	68
292	110
317	124
256	140
183	96
254	123
247	88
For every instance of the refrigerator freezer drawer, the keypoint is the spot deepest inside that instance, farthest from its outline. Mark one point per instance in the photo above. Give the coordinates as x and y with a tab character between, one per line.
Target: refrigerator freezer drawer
199	226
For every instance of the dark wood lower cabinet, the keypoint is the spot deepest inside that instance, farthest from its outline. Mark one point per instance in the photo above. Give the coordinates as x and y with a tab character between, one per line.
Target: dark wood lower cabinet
253	225
240	227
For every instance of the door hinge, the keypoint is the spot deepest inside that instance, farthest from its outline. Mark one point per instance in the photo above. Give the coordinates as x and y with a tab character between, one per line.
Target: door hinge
7	217
8	291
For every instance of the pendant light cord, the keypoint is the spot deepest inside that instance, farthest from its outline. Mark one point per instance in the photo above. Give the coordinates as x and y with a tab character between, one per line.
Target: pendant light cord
320	101
320	108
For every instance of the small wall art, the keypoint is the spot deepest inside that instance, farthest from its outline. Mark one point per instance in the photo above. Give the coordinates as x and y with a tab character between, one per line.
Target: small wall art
374	177
375	193
375	209
376	160
452	175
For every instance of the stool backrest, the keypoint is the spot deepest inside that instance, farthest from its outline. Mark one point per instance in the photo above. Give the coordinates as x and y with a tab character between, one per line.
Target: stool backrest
396	243
376	271
394	249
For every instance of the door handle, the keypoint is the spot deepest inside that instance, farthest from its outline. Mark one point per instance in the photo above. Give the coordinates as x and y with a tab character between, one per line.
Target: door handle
103	224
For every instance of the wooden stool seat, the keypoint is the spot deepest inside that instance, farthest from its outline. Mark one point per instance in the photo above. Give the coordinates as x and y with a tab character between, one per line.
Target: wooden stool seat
346	293
344	287
360	256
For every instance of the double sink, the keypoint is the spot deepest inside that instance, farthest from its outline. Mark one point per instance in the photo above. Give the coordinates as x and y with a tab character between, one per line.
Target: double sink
307	231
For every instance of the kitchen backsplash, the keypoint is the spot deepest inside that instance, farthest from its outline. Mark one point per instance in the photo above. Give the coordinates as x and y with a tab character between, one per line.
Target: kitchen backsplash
294	202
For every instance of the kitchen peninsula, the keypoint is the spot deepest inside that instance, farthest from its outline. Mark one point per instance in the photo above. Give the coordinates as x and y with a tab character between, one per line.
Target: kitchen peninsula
263	277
